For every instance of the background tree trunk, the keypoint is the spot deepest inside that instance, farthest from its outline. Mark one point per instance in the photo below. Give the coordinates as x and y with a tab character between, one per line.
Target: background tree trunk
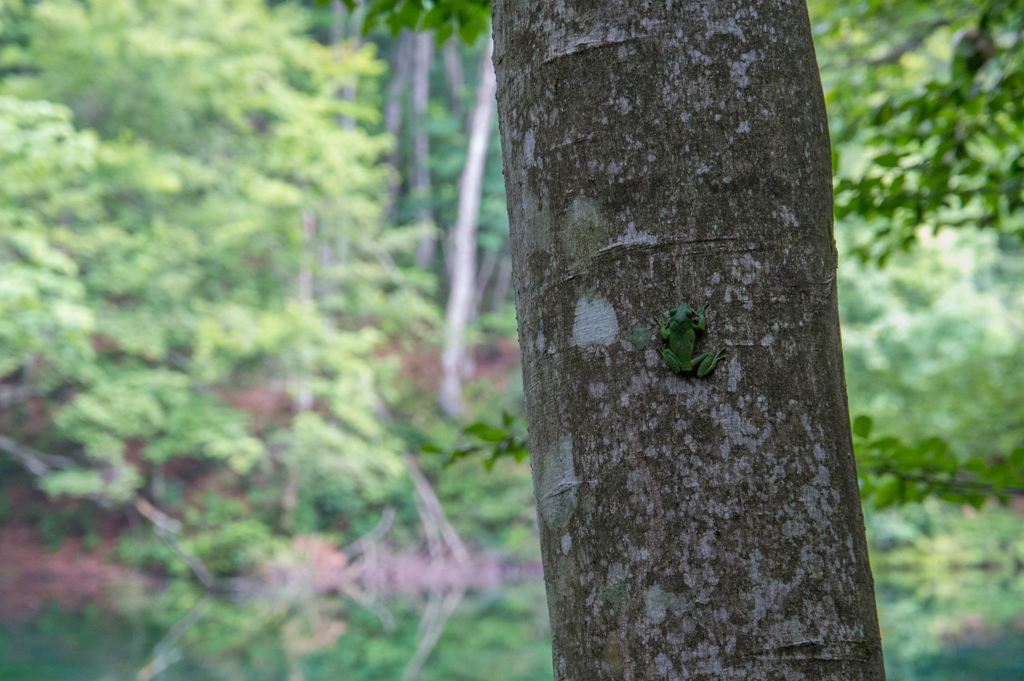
303	400
461	300
691	528
345	28
393	116
423	56
453	69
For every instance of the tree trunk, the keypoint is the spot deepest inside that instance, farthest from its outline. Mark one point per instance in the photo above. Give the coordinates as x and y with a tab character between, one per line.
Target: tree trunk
502	285
424	55
346	29
453	68
483	277
692	528
303	401
393	115
463	259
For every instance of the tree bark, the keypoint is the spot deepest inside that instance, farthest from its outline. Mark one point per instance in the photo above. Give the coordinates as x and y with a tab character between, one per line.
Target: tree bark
656	154
424	55
463	258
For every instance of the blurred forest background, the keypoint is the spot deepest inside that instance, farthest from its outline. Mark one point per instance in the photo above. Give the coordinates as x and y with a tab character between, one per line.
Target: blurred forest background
257	338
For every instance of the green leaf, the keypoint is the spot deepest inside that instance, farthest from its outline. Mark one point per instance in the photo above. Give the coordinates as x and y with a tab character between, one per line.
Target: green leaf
889	160
486	433
889	494
435	17
862	426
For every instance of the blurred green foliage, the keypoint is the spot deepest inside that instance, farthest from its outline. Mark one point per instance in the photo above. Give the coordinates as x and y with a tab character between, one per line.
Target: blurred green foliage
925	110
157	162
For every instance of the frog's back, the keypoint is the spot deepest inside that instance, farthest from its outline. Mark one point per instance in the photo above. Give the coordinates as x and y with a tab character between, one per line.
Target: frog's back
682	338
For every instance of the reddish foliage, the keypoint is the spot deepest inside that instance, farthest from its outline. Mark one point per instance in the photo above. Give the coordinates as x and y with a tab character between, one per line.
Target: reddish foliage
29	575
37	417
493	362
267	405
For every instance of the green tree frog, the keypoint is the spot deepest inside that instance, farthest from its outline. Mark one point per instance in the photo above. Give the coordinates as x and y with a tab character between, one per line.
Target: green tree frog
681	333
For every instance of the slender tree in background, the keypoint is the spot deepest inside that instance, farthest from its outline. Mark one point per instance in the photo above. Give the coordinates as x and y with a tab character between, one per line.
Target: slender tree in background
453	69
345	29
423	52
691	528
302	400
393	116
462	299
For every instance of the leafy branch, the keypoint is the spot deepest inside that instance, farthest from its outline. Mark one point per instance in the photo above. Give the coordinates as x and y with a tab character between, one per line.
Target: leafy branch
505	441
893	473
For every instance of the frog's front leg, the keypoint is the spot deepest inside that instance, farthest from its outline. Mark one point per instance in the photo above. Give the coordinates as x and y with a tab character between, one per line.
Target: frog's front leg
701	322
664	330
672	361
705	362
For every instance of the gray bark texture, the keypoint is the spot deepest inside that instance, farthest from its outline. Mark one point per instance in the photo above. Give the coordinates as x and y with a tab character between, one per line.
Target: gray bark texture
656	154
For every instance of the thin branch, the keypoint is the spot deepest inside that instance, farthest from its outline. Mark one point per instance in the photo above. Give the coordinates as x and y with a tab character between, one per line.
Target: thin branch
431	627
166	528
11	394
374	536
963	487
433	509
38	463
164	653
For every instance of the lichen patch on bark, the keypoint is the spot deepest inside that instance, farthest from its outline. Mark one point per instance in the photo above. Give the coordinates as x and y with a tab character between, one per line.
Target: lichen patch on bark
594	321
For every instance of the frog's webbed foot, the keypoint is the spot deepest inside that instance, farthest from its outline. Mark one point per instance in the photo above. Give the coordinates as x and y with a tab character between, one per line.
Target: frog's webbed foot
672	361
699	321
706	362
664	330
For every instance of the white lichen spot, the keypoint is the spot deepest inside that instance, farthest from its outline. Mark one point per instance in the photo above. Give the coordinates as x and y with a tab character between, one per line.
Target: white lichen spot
597	389
657	602
663	664
744	127
806	422
634	237
541	342
734	374
739	69
595	322
788	217
728	26
566	544
556	484
767	341
529	144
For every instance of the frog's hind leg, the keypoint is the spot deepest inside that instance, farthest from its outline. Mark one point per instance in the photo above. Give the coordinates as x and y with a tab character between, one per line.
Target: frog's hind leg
672	361
705	362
